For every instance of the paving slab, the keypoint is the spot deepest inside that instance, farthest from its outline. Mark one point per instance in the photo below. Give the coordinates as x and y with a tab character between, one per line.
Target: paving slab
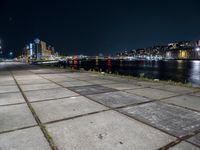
102	81
106	131
155	94
27	77
77	75
171	119
196	94
61	80
33	81
91	89
150	84
49	94
65	108
3	72
30	87
18	72
9	88
176	89
187	101
195	139
7	82
26	139
11	98
54	75
75	83
44	71
117	99
122	86
85	78
184	146
15	116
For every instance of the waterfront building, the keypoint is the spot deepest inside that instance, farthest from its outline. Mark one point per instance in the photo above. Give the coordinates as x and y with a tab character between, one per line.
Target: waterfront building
38	50
173	50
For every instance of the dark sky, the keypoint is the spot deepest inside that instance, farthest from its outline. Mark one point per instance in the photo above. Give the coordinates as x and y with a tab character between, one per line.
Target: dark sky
94	26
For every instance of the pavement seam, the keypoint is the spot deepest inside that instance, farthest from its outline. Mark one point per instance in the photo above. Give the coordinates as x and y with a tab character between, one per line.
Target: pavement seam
171	144
7	131
12	104
77	116
180	106
195	89
181	139
42	127
44	100
41	89
193	143
110	108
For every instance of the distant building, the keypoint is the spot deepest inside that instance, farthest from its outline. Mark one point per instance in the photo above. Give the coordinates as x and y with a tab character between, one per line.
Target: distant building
38	50
173	50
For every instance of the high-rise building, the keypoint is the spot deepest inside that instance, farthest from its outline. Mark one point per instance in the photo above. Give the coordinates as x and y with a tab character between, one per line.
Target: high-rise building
38	50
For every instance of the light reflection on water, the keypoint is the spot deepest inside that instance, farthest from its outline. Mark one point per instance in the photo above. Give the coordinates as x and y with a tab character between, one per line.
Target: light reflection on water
195	72
176	70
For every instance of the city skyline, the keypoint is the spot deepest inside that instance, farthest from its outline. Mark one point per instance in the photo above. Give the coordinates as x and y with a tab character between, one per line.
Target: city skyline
98	27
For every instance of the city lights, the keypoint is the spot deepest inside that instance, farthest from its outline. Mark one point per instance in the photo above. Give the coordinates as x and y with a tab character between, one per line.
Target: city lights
197	49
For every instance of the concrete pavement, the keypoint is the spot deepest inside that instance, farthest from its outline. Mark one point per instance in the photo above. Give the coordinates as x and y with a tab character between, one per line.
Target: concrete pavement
47	108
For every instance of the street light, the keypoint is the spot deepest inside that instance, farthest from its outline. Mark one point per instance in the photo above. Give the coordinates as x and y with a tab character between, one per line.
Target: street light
11	53
197	49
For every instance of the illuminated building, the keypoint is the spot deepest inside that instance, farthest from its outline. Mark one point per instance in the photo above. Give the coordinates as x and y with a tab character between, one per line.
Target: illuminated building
183	54
38	50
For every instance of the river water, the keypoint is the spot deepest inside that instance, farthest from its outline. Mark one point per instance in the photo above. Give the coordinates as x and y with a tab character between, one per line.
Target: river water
184	71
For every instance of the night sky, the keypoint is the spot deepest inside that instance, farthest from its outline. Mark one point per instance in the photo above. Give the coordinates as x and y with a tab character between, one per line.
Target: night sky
91	27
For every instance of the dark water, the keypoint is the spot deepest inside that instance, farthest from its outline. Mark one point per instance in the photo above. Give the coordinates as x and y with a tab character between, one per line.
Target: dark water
184	71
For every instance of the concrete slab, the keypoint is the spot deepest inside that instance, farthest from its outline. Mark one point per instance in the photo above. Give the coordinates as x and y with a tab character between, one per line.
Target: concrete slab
184	146
75	83
33	81
30	87
106	131
49	94
122	86
195	139
101	81
15	116
8	88
196	94
26	139
176	89
54	75
27	77
7	82
21	72
91	89
174	120
117	99
11	98
187	101
85	78
61	80
152	93
3	71
65	108
150	84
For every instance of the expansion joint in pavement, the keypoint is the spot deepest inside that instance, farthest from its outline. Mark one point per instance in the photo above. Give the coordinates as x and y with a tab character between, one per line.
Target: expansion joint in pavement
42	127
